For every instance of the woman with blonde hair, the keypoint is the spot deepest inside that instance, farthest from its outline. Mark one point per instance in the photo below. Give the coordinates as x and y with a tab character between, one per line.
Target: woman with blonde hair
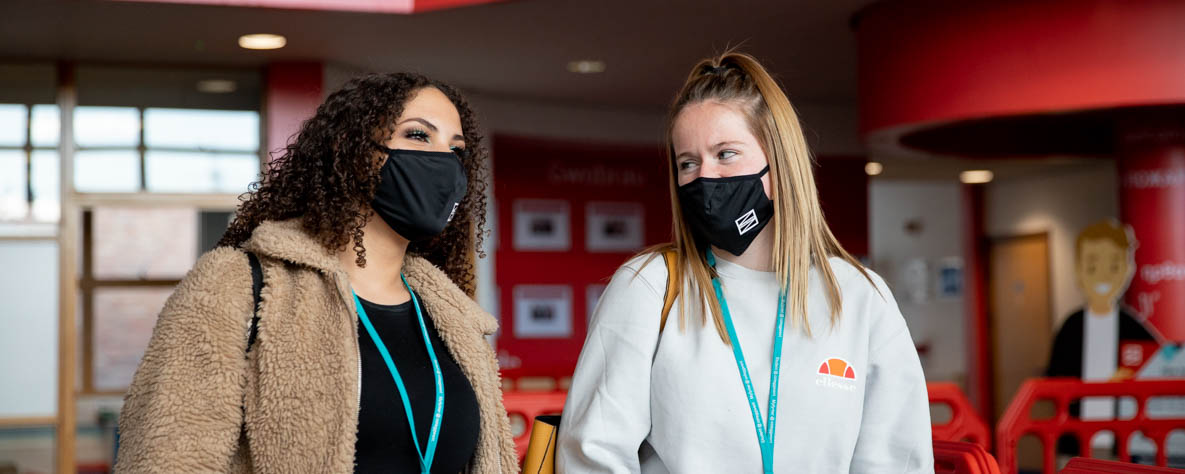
751	250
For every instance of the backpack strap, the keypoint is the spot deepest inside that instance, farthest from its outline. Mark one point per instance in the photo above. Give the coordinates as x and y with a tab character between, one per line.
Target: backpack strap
671	259
257	293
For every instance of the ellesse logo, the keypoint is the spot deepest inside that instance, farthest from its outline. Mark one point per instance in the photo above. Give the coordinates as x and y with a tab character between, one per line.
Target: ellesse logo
836	373
747	222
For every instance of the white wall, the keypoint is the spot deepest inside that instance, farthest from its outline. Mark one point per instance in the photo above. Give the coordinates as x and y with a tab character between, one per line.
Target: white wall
934	321
1061	204
28	328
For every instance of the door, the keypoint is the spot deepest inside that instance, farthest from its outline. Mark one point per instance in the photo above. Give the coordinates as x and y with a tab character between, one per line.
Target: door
1020	318
1020	312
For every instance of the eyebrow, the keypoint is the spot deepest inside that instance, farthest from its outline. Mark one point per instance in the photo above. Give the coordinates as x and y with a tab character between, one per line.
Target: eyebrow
430	126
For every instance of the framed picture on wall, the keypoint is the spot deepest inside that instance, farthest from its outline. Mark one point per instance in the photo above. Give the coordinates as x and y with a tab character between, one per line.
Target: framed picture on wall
614	226
542	311
950	278
542	225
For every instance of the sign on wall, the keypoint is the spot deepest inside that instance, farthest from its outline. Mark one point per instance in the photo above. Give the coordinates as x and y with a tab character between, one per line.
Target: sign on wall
614	226
541	225
542	311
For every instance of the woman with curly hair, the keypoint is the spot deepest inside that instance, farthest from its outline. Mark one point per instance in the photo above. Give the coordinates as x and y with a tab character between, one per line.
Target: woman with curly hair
333	329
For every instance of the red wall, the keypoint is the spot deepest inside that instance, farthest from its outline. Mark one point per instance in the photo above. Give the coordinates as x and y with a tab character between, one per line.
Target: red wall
527	168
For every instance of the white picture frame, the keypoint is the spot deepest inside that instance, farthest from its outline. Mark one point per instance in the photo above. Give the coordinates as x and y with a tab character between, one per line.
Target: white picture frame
614	226
542	225
542	311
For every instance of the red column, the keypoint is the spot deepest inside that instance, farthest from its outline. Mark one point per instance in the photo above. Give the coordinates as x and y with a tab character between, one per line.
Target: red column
293	92
980	381
1152	201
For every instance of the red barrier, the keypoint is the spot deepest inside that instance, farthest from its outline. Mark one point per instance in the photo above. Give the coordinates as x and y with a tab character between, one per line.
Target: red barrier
964	424
1062	391
1099	466
528	405
956	457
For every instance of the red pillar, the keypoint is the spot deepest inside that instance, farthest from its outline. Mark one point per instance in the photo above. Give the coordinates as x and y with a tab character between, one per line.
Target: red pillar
1152	201
293	92
980	381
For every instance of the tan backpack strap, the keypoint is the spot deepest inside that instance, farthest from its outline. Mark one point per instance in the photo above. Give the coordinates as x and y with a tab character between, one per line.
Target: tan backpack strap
668	302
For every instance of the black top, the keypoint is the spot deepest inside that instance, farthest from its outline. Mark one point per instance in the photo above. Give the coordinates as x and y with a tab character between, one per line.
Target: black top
1065	359
384	440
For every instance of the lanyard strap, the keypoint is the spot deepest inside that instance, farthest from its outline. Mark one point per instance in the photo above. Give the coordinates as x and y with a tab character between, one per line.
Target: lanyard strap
438	409
765	432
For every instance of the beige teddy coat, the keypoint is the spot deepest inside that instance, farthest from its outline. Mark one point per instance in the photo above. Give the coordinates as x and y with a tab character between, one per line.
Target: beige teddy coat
197	404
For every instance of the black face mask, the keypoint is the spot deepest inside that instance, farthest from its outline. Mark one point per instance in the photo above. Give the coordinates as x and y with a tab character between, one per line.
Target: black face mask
726	212
419	191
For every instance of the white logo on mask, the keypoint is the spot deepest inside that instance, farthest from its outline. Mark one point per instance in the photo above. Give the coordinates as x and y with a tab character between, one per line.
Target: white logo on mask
747	222
453	212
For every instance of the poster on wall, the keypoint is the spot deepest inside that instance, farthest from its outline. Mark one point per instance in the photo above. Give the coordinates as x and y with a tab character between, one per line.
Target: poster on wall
915	279
950	278
614	226
592	297
541	225
542	311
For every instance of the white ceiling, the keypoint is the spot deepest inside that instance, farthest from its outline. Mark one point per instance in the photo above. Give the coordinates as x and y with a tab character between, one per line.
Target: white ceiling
516	49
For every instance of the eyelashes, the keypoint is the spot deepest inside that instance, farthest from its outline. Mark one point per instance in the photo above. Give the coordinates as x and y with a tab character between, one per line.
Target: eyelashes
421	135
417	134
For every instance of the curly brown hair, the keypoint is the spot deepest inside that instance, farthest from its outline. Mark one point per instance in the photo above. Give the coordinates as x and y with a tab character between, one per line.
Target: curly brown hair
327	176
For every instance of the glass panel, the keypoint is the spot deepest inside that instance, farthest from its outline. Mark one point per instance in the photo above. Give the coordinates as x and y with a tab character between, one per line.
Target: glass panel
144	243
46	123
106	126
230	130
12	124
184	172
46	184
107	171
13	199
123	321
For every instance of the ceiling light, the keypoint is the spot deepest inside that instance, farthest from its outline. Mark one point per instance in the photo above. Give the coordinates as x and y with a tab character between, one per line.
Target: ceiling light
216	86
586	66
975	176
873	168
262	41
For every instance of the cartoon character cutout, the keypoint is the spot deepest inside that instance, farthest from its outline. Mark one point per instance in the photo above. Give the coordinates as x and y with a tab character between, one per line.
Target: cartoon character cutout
1089	343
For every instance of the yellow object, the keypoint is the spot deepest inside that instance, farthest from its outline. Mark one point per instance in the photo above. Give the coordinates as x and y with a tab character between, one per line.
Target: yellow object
540	457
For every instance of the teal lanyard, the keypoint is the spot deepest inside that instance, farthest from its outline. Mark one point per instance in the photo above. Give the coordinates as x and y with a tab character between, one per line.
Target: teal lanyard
438	410
765	432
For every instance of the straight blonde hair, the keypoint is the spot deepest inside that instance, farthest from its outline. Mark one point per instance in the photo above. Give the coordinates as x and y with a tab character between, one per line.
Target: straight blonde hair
801	236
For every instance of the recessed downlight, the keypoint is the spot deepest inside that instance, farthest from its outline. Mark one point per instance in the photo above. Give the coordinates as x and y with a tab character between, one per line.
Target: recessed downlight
873	168
976	176
262	41
586	66
217	86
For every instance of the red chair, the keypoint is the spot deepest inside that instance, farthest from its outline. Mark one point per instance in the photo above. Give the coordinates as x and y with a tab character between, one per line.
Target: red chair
956	457
965	424
1099	466
1062	391
528	405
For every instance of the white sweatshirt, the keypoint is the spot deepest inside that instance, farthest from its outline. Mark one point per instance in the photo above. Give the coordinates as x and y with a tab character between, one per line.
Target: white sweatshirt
641	404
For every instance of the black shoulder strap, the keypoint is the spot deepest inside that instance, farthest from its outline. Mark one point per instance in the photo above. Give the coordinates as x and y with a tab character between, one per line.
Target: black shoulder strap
256	291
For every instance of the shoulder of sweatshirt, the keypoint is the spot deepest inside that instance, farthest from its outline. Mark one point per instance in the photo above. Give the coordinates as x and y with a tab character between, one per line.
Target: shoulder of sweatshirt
647	271
866	297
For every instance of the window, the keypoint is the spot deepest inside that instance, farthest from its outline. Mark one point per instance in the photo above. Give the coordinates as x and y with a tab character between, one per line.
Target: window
170	150
29	163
